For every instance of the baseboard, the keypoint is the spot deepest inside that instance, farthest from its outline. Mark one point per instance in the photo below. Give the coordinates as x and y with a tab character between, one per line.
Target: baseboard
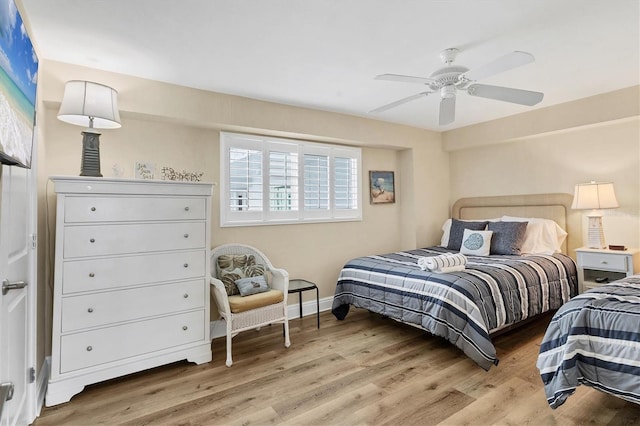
41	386
219	329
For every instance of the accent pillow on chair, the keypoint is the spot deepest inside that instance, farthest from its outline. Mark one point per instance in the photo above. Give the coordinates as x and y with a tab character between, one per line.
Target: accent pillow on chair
232	267
252	285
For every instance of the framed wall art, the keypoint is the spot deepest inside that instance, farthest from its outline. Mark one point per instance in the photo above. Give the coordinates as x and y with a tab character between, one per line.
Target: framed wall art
382	187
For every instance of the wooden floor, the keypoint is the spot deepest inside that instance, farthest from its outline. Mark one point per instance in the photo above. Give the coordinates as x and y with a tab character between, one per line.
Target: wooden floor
365	370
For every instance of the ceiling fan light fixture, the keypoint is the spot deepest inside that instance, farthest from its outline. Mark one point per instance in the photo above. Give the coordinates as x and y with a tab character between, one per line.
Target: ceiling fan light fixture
448	91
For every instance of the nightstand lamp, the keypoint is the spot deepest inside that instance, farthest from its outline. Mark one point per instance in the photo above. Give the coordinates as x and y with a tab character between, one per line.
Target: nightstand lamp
94	106
595	196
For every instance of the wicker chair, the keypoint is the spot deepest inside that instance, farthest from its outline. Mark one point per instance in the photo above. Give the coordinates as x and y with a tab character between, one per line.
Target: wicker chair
263	312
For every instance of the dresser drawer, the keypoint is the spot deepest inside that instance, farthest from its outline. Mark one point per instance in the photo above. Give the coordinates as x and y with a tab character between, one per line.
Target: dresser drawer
95	347
100	309
118	272
122	209
603	261
99	240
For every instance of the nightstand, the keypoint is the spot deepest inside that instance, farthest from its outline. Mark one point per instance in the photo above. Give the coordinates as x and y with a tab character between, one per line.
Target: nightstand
604	264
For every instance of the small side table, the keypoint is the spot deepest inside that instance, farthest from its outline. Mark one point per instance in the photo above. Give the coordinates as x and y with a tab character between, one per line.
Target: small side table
298	285
599	266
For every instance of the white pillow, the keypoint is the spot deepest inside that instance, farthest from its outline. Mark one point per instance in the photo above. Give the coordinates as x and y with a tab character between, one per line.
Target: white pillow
446	229
543	236
477	243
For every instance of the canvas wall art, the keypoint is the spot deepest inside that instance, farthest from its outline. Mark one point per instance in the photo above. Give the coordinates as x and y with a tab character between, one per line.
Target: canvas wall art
382	187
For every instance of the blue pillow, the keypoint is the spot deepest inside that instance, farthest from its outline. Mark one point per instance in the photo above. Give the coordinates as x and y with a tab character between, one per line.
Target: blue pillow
252	285
457	231
507	237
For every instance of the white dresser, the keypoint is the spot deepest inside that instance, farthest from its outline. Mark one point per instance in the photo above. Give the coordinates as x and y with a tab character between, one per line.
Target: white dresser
131	286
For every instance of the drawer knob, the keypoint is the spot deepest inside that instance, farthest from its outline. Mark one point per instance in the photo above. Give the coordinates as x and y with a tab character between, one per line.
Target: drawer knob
93	209
92	240
91	274
186	265
186	235
604	262
89	348
186	209
90	310
186	296
185	328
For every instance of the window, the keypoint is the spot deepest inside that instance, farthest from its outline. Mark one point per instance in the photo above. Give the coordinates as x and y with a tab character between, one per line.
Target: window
267	180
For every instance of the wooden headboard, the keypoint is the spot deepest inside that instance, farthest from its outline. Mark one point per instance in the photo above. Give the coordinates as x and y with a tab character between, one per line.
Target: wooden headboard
556	207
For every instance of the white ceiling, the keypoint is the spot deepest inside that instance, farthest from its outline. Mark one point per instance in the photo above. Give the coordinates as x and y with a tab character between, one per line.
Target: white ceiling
324	54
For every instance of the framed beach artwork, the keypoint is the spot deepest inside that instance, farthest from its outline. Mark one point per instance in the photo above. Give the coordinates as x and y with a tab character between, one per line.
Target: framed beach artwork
382	187
18	81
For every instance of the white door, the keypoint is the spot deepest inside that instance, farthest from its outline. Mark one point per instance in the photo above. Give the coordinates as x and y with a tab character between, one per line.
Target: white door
17	314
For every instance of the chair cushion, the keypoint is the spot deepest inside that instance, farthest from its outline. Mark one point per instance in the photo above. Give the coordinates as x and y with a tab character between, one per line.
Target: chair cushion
239	303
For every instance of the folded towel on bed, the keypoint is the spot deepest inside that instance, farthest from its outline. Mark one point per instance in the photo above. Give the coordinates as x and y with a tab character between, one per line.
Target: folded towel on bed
438	263
448	269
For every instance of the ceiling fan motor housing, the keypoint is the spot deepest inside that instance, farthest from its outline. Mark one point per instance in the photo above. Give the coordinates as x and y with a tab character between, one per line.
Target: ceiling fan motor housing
448	76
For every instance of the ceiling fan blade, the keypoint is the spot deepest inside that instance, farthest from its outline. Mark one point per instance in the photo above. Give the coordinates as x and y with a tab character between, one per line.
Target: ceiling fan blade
404	78
504	63
506	94
447	110
399	102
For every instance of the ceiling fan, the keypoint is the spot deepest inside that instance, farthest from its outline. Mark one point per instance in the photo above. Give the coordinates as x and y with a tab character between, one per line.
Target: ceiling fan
451	78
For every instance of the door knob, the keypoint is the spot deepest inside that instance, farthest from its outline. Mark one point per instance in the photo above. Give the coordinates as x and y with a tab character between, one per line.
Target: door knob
7	285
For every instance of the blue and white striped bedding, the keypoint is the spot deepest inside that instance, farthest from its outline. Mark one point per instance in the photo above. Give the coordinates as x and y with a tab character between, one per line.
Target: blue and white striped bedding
594	340
492	292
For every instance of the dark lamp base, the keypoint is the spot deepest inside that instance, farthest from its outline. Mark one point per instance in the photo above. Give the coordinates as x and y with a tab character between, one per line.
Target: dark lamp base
90	165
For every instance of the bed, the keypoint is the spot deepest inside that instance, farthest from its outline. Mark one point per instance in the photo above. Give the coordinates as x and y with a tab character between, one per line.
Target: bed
491	294
594	340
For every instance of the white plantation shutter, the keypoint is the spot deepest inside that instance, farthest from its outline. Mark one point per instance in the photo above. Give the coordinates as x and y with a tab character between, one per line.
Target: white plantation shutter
346	183
283	180
245	180
316	182
268	180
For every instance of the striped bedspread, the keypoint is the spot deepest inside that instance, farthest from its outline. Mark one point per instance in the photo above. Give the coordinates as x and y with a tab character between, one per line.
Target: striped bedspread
594	340
463	307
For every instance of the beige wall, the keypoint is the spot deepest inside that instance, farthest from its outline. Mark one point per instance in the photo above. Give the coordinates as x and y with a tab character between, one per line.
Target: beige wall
179	127
552	149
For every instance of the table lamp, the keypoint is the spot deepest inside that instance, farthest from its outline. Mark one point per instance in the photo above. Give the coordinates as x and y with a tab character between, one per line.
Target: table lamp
594	196
94	106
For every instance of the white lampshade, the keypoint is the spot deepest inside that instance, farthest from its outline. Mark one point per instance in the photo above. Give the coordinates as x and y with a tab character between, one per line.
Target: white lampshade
90	105
595	196
94	106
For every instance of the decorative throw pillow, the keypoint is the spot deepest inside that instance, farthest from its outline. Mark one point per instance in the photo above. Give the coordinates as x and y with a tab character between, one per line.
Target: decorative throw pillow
232	267
508	237
543	236
229	279
457	231
477	243
252	285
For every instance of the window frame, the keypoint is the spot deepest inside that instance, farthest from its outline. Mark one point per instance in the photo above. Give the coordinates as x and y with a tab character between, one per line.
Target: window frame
268	144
